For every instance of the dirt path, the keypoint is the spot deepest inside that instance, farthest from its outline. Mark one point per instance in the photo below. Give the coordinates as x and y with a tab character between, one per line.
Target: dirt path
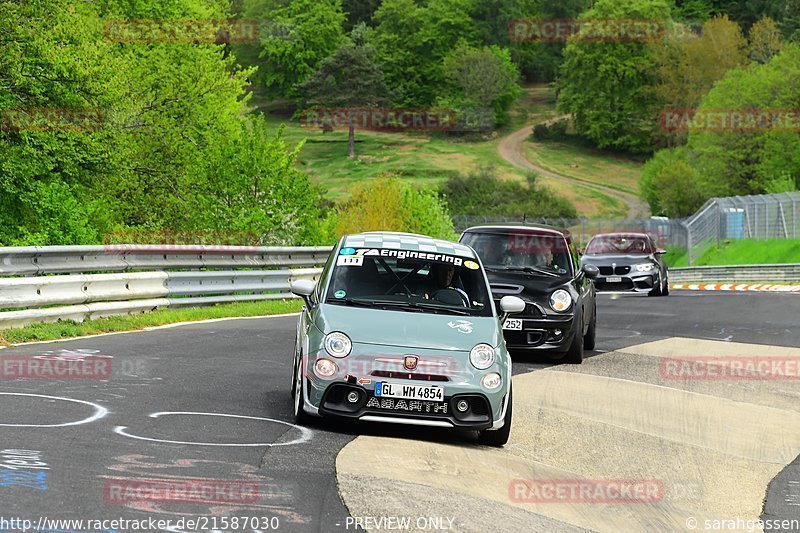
510	149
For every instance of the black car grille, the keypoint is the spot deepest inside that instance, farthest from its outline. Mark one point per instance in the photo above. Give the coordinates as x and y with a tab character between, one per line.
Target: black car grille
609	271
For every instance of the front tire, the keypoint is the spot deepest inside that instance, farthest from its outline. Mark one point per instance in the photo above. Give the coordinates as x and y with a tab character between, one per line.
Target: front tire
300	416
591	333
574	354
498	437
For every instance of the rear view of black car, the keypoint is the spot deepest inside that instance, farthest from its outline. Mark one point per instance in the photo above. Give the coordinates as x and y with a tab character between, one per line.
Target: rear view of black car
540	266
628	262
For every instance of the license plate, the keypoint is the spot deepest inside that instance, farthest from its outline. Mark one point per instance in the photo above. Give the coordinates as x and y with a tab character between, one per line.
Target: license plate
514	324
614	279
408	392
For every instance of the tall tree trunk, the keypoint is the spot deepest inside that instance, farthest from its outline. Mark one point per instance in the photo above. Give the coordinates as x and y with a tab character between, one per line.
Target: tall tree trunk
352	149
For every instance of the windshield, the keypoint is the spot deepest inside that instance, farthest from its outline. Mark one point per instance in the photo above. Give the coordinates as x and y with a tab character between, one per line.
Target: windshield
618	244
409	281
547	254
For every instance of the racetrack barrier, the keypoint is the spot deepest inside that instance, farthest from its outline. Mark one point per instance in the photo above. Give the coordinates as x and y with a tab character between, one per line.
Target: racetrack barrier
51	283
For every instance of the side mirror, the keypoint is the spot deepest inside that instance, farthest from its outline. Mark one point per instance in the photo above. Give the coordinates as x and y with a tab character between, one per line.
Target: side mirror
512	304
660	251
303	288
591	271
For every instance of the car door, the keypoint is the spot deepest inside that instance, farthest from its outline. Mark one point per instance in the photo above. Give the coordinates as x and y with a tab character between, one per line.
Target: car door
583	285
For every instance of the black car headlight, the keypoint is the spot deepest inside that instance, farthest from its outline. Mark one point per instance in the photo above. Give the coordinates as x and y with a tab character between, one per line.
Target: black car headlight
560	301
644	267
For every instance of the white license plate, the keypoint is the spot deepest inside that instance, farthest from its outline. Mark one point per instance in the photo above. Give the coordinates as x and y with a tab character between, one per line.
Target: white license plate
408	392
514	324
614	279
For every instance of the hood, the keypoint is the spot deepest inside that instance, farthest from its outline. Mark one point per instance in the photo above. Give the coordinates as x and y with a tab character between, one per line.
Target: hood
619	259
408	329
522	284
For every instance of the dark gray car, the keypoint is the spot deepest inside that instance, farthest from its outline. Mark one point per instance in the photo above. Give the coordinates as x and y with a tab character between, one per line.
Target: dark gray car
628	262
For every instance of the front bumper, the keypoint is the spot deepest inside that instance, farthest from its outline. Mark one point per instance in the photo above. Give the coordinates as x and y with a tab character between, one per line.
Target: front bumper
487	408
553	334
628	283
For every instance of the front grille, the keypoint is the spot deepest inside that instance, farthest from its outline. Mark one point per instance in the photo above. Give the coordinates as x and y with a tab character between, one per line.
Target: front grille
407	375
610	271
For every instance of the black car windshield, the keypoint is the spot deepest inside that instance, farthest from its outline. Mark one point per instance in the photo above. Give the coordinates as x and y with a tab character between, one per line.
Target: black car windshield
535	254
409	281
618	244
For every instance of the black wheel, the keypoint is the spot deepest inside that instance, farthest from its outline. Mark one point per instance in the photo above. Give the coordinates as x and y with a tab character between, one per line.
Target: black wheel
575	353
300	416
498	437
665	290
656	291
589	338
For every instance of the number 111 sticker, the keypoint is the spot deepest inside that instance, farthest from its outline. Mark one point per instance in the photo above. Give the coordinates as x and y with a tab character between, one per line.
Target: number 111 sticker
350	260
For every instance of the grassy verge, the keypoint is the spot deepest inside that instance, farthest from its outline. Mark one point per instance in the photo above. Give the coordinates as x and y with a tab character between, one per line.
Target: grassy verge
585	163
69	328
743	252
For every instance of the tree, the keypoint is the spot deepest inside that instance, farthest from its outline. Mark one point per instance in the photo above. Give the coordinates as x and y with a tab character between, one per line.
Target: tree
766	149
686	66
668	184
315	31
389	204
348	79
481	78
603	84
765	40
412	39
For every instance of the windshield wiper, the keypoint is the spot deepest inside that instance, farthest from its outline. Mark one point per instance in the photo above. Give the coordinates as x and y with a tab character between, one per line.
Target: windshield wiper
415	306
526	269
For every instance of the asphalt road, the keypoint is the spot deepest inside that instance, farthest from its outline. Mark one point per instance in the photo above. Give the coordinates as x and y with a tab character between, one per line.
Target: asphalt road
206	407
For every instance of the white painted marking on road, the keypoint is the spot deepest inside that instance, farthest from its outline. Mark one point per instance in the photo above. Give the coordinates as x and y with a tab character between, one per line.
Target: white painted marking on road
305	433
100	411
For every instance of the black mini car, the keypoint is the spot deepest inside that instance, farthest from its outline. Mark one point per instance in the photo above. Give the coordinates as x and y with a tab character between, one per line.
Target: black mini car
628	262
540	266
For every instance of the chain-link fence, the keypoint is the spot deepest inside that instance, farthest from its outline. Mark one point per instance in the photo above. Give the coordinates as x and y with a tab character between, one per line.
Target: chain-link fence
768	216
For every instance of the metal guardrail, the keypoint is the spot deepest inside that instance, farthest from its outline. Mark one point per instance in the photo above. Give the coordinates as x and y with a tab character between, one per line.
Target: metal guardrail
53	283
781	273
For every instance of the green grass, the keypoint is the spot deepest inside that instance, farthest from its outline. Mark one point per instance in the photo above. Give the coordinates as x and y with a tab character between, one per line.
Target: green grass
574	159
423	159
745	252
426	159
69	328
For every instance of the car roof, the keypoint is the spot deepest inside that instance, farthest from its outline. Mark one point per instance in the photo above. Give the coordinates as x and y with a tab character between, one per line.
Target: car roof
533	230
406	241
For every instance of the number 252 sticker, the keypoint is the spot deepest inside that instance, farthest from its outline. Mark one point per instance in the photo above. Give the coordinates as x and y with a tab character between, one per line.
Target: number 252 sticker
350	260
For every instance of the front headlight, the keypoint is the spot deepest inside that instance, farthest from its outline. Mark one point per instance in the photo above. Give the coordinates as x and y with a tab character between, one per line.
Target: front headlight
482	356
491	381
338	344
560	300
644	267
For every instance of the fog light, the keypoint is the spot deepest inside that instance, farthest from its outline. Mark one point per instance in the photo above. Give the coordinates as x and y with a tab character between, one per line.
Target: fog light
352	397
325	368
462	406
491	381
557	332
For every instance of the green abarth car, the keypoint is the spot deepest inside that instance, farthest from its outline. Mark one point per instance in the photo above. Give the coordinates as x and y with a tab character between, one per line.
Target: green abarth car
402	328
